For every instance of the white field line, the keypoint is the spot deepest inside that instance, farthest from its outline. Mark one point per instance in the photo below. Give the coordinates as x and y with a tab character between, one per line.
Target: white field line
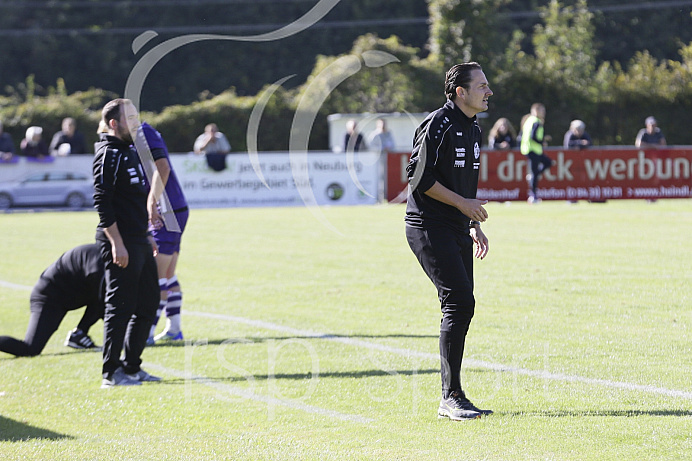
270	401
14	286
231	390
542	374
249	395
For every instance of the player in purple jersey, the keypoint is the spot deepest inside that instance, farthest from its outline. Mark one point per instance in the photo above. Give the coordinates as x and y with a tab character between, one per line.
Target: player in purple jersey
167	238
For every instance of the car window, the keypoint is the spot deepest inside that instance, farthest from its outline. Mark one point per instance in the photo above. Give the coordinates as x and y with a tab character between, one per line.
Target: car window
57	176
36	177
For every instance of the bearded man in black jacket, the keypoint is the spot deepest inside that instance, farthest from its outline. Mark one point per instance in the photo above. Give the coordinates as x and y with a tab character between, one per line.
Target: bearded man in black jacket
127	248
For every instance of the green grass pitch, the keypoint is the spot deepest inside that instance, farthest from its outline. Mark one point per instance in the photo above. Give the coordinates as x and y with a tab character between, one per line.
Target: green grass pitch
310	344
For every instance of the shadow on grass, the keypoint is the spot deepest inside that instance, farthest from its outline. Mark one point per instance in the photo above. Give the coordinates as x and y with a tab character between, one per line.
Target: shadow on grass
69	352
262	339
50	354
597	413
308	376
15	431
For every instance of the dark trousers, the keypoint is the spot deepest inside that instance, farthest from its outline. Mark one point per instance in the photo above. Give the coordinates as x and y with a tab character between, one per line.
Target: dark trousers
44	321
132	296
539	164
91	315
446	256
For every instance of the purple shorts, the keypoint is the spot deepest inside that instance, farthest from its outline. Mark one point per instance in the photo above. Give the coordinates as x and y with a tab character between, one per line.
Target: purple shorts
169	242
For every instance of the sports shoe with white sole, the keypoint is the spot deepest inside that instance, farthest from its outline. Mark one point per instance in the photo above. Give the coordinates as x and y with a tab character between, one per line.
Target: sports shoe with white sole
119	378
168	336
143	376
77	339
475	408
457	408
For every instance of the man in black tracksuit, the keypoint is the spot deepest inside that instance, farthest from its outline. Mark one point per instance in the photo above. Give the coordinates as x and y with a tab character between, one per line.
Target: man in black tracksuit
443	218
132	292
73	281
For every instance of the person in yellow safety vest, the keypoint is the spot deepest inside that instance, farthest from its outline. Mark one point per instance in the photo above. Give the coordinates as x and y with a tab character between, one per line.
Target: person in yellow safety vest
532	138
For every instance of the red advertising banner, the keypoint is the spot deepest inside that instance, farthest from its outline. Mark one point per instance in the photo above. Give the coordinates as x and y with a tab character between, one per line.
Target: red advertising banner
590	174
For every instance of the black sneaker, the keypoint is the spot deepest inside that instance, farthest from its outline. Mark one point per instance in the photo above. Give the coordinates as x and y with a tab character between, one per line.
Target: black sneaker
79	340
475	408
457	408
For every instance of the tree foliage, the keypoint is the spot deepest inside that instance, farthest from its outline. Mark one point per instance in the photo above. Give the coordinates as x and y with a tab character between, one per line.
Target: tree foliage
559	69
27	105
465	30
555	57
89	44
393	87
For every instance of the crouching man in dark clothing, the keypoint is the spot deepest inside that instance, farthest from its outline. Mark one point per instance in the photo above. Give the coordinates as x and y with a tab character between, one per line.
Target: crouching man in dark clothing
73	281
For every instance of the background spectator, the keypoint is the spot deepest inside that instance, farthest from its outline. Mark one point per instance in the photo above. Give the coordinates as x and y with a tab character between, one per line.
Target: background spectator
381	140
650	136
533	140
353	140
577	137
502	135
214	146
6	145
68	141
212	141
32	145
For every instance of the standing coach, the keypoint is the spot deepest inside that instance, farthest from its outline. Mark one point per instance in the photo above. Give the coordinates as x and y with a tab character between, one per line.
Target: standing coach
132	293
443	219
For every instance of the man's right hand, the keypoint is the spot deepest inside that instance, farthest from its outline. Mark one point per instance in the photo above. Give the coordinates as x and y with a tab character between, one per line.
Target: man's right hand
473	208
121	257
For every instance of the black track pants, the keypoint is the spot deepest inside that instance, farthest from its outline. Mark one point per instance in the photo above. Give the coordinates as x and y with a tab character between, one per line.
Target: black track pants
44	321
539	164
447	258
132	296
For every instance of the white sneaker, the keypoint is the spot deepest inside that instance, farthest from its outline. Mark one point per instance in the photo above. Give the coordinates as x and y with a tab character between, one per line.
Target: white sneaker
119	378
168	336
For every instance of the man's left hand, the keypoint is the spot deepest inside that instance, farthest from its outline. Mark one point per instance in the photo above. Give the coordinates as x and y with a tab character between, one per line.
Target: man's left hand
481	242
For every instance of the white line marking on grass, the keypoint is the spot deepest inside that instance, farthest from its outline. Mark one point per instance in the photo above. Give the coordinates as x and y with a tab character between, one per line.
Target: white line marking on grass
411	353
14	286
235	390
249	395
542	374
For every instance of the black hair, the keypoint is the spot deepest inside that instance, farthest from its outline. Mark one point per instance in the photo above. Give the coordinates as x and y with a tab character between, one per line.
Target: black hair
111	111
459	75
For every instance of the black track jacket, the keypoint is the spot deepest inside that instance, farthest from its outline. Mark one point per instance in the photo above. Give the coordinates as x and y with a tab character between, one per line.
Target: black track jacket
120	190
74	280
446	149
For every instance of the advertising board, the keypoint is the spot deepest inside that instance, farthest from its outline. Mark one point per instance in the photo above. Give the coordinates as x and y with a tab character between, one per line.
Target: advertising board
591	174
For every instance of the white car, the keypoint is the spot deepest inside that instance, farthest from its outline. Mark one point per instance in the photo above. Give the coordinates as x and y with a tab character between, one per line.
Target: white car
71	189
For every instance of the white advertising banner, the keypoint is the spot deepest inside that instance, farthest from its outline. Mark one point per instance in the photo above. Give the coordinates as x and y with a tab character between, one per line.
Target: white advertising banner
273	179
267	179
